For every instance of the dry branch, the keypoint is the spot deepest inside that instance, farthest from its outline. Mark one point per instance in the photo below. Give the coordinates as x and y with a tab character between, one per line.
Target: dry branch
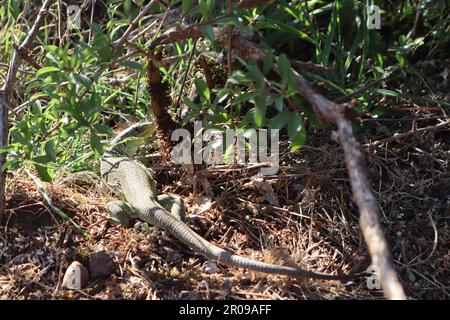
206	72
248	4
177	34
158	90
362	192
134	23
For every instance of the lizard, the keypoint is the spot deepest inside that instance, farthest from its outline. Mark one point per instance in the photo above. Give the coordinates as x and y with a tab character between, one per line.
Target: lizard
134	183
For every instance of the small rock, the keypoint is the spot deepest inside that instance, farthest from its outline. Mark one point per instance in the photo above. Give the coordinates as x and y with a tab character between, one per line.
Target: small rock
226	287
76	276
211	267
101	264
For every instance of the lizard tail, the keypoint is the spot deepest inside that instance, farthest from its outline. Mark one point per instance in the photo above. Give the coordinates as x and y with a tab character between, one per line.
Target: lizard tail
160	218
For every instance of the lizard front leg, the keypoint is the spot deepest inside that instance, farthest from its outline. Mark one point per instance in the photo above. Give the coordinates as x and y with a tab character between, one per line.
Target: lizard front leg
120	213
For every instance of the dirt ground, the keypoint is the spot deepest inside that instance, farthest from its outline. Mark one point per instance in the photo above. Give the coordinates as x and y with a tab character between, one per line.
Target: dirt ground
307	221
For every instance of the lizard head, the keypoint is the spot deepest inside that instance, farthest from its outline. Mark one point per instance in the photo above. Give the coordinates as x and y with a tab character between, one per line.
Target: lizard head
129	140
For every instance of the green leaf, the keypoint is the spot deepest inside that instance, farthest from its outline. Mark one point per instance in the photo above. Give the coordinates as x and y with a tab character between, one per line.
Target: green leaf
13	9
256	75
223	94
330	34
240	77
133	65
400	59
296	132
278	25
260	111
202	89
280	120
38	95
208	31
49	148
96	144
206	8
186	6
101	128
284	68
101	44
279	104
246	96
36	107
43	172
18	136
83	80
46	70
268	62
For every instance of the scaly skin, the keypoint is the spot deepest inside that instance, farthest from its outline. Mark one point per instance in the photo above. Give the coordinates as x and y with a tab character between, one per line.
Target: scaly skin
134	183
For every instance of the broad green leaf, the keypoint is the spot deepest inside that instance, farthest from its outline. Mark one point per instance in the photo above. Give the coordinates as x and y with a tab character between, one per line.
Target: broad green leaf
256	75
101	128
36	107
202	89
208	31
260	111
246	96
134	65
101	44
280	120
206	8
296	132
284	68
240	77
44	173
186	6
96	144
49	148
222	94
83	80
46	70
279	104
268	62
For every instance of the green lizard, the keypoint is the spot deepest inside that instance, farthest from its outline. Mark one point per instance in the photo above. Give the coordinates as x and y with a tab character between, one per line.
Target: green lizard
134	183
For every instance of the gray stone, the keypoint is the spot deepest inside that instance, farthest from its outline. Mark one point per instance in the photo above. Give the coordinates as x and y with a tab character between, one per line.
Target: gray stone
76	276
101	264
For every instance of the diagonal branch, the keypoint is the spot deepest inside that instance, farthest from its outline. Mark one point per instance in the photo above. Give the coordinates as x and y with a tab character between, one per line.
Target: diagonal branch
134	23
369	217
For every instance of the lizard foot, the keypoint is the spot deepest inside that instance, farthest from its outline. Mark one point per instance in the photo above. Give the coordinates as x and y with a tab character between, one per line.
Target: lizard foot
174	205
119	213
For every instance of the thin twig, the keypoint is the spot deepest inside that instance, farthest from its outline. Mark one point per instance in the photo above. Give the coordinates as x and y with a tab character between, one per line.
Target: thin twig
186	74
398	136
134	23
136	93
229	32
52	206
